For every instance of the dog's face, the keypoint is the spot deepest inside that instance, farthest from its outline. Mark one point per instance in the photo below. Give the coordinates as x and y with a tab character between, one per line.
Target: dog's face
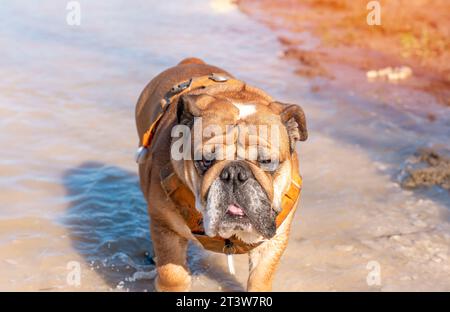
239	161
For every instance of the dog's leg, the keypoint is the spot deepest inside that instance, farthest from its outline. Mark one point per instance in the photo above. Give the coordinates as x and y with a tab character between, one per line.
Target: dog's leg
264	259
170	251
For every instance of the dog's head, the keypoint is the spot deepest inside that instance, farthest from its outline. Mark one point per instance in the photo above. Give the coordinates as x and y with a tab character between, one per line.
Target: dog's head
237	160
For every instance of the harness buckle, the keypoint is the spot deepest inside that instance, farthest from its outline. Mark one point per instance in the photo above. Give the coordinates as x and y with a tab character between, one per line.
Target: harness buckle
141	154
228	247
180	87
218	78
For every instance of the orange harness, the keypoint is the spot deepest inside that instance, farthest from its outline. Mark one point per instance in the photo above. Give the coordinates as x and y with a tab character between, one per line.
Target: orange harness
182	196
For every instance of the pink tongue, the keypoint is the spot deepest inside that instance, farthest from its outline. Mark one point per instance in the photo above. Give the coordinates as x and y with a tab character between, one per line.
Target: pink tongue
234	210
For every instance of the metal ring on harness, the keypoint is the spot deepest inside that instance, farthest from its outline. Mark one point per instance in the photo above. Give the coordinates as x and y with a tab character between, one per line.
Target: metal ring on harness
228	248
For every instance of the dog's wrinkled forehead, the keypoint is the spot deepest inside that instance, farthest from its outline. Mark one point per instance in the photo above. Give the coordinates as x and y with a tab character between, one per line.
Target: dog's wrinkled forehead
221	110
236	121
225	120
226	109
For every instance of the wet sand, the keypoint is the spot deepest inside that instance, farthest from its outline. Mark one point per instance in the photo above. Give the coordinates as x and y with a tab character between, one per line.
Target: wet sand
69	186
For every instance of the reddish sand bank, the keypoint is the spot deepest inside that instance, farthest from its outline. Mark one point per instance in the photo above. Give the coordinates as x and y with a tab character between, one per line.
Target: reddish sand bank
412	33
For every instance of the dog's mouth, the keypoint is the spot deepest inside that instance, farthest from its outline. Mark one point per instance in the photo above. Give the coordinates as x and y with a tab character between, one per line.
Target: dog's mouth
235	210
234	218
235	214
238	217
243	208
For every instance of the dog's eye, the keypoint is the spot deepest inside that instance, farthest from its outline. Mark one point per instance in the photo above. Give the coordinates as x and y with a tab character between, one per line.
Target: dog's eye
268	164
204	164
207	162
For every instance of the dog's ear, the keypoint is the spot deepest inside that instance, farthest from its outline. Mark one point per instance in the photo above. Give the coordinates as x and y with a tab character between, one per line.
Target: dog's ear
293	117
187	109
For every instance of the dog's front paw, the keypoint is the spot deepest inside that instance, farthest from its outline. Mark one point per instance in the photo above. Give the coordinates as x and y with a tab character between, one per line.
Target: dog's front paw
172	277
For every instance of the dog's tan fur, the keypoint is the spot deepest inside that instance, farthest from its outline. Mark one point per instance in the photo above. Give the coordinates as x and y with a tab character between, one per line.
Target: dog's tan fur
169	232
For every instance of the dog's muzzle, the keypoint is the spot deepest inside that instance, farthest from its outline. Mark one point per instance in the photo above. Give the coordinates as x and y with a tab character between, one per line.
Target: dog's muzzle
240	202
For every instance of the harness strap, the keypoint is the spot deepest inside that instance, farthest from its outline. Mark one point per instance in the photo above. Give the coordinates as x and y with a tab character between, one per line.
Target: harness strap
178	90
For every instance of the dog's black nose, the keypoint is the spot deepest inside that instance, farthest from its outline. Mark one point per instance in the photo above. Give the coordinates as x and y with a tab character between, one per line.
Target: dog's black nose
236	173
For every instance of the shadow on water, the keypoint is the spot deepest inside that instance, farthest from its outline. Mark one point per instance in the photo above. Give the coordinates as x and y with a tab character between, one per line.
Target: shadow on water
109	226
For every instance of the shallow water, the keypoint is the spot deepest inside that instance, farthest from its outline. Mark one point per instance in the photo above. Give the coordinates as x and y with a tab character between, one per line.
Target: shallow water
69	186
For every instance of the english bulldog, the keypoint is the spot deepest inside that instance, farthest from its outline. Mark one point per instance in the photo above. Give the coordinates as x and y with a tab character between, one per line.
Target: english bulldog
218	166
